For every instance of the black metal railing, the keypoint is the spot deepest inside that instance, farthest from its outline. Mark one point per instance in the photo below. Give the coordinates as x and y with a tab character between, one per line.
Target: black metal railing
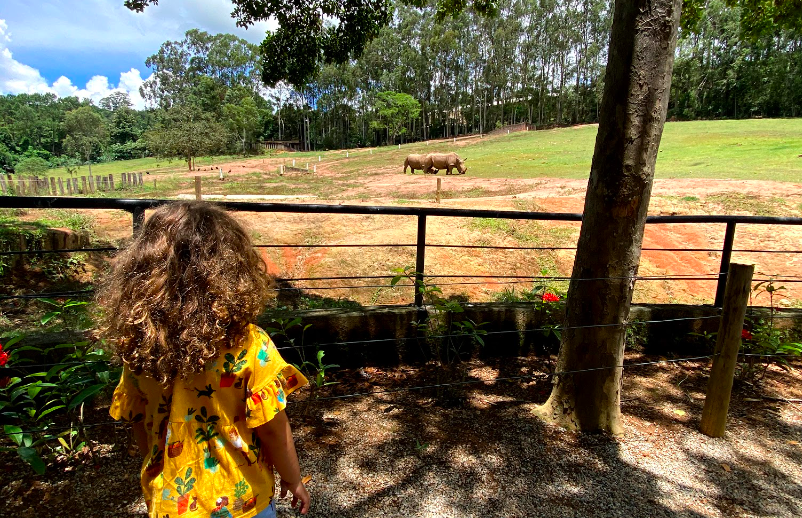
137	208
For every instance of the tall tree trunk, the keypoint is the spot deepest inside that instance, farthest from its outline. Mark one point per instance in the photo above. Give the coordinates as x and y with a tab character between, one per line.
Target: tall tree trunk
633	113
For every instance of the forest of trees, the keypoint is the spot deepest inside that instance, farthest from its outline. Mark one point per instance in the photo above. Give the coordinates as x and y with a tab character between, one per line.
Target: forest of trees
537	61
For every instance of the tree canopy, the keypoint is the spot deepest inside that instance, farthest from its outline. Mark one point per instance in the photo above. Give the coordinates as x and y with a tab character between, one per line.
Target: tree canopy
314	32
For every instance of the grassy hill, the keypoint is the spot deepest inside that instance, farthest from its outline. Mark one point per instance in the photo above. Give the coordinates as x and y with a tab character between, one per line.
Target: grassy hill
766	149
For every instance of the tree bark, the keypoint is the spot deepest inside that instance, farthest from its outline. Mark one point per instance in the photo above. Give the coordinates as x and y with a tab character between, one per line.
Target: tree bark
633	113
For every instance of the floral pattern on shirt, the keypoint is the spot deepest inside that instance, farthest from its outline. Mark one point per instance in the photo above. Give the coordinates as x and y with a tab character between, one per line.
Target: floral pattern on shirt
204	453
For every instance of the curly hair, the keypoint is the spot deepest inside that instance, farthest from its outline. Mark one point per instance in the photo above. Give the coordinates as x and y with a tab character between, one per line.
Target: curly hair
187	287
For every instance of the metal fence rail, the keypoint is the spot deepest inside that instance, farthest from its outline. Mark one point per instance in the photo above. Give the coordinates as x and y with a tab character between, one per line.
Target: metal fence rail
137	208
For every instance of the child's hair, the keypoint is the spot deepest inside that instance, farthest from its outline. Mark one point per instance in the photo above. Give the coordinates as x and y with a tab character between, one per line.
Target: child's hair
187	286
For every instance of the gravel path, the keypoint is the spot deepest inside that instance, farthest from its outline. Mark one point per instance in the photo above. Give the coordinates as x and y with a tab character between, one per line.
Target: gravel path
480	452
406	456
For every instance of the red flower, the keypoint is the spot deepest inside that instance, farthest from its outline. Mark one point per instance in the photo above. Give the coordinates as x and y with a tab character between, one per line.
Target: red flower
746	335
550	297
4	382
3	356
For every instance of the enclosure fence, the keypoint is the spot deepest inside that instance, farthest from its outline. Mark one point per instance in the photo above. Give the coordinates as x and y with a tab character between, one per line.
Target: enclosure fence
138	207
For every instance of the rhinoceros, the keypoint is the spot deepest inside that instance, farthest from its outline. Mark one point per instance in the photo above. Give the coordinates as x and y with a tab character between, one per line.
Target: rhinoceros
447	161
414	162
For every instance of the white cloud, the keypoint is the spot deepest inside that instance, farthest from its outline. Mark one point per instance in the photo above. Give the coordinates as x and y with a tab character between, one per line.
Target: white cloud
89	25
16	78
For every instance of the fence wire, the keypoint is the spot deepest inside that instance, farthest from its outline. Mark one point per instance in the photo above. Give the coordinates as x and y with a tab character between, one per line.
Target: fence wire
417	387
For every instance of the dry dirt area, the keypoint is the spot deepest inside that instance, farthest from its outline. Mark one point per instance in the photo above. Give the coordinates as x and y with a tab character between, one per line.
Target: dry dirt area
324	235
477	451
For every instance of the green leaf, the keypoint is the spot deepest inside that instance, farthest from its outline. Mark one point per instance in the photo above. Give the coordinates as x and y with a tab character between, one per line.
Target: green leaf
49	316
30	456
11	341
85	394
395	280
34	389
49	410
15	432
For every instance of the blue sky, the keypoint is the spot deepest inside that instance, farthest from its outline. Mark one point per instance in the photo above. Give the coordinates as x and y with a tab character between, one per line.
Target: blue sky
91	48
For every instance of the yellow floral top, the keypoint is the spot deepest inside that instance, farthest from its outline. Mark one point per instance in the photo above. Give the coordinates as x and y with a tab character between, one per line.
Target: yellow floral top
204	458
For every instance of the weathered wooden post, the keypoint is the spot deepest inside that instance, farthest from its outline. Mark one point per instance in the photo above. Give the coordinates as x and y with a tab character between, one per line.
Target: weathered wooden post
719	386
111	182
122	180
437	197
69	187
99	183
60	187
75	185
105	183
53	186
91	184
3	184
139	176
84	185
198	195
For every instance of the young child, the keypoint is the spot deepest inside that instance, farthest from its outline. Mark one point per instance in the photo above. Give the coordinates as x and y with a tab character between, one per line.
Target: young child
204	388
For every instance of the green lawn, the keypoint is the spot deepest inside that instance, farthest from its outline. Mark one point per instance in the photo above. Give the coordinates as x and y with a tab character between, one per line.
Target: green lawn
766	149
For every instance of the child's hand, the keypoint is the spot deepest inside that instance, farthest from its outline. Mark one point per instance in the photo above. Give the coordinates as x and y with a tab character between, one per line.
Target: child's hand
299	492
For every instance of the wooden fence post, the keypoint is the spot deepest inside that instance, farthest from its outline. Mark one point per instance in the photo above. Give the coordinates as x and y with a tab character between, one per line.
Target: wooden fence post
91	184
437	197
111	182
75	185
99	183
53	186
139	177
60	186
84	185
719	386
198	195
69	187
3	184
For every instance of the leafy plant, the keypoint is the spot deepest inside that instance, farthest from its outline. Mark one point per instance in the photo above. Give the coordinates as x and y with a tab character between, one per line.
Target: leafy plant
35	406
763	342
314	371
444	333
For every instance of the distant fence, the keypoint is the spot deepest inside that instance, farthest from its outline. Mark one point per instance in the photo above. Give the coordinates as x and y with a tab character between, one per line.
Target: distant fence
19	185
282	145
512	128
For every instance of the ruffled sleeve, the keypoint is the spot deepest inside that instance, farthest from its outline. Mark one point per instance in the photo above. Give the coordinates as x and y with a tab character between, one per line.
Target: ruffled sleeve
128	403
270	382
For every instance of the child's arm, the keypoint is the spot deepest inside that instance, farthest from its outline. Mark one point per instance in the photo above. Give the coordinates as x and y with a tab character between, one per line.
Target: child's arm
276	438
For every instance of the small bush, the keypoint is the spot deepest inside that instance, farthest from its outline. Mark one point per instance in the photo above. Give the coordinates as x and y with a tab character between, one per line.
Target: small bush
32	165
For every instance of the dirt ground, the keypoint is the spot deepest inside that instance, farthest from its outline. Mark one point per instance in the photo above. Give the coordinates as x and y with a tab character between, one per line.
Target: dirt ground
397	454
388	186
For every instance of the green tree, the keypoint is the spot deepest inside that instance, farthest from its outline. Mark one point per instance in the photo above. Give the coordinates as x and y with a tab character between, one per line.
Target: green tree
186	132
115	101
245	120
199	69
314	32
86	133
394	110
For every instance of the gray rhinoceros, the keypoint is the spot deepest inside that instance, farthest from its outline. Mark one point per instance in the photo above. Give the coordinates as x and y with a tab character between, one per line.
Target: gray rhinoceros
414	162
447	161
